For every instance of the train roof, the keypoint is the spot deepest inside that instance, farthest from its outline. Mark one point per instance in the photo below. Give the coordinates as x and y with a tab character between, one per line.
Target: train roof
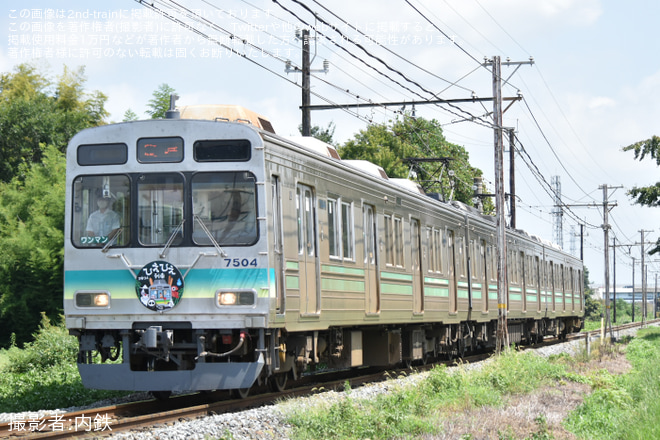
229	113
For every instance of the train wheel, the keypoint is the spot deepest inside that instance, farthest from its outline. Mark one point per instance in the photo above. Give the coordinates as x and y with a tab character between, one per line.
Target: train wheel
278	382
241	393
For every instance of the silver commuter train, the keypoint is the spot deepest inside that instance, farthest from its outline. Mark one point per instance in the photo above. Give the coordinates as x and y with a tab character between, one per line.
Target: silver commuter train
205	252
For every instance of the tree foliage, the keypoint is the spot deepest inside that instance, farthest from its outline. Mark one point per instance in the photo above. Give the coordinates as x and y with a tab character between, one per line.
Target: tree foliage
31	245
324	134
38	117
35	111
159	104
647	195
389	145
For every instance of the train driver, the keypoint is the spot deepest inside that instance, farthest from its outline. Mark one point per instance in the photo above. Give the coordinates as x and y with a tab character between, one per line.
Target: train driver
104	222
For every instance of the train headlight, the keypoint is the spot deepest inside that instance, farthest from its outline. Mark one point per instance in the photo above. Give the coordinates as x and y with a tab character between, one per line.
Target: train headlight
93	299
227	299
245	298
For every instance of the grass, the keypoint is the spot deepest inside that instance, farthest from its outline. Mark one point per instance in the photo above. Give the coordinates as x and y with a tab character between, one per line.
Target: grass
625	406
417	411
620	406
43	375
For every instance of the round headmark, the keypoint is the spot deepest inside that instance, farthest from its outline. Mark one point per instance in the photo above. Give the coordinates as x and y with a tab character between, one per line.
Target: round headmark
159	285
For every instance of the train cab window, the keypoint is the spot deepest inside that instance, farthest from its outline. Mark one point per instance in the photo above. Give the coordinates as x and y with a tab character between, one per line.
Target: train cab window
224	208
224	150
101	211
102	154
160	209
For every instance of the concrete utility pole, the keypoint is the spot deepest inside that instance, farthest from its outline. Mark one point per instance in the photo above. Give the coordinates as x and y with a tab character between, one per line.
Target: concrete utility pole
512	177
643	279
306	95
633	289
557	213
306	70
606	231
502	334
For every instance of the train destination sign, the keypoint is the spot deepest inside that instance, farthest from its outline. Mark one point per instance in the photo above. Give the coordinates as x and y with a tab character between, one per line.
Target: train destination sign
165	149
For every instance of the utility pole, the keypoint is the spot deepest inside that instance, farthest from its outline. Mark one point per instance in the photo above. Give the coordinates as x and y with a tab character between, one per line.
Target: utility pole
614	275
557	213
606	231
512	178
643	279
633	289
306	95
502	336
306	70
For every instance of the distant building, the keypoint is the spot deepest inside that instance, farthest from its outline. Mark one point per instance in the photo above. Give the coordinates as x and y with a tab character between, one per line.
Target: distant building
624	292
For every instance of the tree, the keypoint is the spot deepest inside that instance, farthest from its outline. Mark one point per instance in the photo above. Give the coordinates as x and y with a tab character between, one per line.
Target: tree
35	112
31	245
159	104
388	145
322	134
593	309
129	115
647	195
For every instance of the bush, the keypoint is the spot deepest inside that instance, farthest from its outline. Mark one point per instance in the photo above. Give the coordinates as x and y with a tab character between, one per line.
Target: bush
43	375
52	346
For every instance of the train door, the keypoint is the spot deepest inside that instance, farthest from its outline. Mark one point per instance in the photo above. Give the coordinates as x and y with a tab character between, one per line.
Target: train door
453	276
372	289
417	273
307	252
278	242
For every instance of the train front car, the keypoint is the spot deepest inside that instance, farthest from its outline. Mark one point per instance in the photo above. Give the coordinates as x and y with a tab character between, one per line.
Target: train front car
167	279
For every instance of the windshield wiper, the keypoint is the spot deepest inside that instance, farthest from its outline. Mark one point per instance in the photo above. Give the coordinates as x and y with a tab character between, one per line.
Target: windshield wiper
210	236
171	239
113	239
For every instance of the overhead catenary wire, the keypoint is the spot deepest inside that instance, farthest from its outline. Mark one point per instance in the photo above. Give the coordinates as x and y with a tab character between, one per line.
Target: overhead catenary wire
189	14
331	40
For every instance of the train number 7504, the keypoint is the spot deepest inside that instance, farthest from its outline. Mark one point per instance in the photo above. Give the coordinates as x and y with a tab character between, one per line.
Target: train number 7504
237	262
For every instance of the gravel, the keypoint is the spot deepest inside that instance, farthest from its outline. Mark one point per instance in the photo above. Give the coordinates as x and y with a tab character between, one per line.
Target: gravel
266	422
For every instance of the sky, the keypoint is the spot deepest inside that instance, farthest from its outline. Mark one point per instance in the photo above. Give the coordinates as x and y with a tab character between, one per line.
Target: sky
593	87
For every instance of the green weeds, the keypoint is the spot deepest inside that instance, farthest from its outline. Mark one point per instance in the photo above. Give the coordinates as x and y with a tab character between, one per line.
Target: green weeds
624	406
417	411
43	375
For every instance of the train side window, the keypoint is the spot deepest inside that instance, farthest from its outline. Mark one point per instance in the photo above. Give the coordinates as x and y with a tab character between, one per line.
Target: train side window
398	242
439	251
460	251
101	211
389	240
347	231
334	229
341	229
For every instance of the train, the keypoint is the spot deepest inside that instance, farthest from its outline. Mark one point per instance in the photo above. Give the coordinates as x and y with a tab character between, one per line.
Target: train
205	252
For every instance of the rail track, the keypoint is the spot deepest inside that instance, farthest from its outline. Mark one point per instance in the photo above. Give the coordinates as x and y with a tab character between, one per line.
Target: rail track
107	420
